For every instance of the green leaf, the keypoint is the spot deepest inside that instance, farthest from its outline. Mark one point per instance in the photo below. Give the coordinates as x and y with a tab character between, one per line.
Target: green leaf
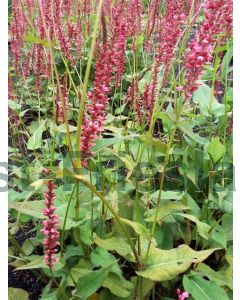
28	247
216	149
138	228
116	244
165	210
85	233
38	262
162	147
219	277
36	40
19	294
226	62
73	251
62	128
203	289
186	128
101	258
118	285
35	141
207	102
202	227
91	282
114	282
167	264
14	105
167	195
35	209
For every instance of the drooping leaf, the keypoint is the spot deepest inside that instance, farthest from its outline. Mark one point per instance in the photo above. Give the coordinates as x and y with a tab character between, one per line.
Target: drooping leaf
35	209
138	228
101	258
38	262
216	149
167	264
186	128
35	141
219	277
202	228
203	289
165	210
207	102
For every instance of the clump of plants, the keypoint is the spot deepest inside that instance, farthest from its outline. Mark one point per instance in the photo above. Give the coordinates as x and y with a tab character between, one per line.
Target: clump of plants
120	151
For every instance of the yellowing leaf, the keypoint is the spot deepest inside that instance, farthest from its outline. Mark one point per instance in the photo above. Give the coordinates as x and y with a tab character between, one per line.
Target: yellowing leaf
167	264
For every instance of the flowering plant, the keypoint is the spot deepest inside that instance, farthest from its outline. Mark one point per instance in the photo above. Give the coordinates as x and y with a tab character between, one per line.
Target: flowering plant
120	121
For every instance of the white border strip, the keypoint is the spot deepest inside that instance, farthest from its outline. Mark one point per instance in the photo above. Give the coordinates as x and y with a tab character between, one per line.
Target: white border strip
4	146
236	151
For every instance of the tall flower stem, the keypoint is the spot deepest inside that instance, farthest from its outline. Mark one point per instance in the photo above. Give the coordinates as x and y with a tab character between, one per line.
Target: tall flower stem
85	84
162	173
58	81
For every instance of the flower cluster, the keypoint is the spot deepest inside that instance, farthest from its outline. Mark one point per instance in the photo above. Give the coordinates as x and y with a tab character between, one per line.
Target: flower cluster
119	44
58	101
135	100
98	100
152	21
170	31
109	67
50	226
200	51
182	295
17	29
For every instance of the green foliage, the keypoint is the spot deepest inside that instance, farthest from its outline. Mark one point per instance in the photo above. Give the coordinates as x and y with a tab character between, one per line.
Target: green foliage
150	211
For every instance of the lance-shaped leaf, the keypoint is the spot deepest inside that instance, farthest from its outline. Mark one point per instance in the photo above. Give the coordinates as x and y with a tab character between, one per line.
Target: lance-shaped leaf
167	264
221	278
165	210
91	282
138	228
202	228
203	289
116	244
35	209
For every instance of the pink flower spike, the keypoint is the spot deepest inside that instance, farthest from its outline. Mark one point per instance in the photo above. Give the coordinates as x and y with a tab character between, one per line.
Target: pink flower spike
50	226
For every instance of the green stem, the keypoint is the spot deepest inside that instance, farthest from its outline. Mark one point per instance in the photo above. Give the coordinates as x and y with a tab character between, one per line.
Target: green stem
115	214
65	219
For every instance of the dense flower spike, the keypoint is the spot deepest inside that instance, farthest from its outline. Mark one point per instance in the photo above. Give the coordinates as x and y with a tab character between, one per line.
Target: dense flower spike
17	29
119	44
170	31
218	20
135	100
98	100
109	67
152	21
58	102
50	226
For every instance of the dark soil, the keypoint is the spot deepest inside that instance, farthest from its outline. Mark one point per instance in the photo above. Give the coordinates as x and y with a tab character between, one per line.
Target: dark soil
27	281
